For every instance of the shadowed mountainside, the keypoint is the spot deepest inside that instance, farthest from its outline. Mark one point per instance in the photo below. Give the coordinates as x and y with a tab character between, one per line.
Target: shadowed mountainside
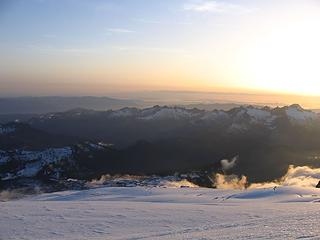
164	140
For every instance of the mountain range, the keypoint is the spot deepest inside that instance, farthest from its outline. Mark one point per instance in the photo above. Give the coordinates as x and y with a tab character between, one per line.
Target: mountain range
83	144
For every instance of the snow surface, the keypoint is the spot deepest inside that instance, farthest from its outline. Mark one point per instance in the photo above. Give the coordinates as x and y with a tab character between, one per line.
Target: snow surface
34	160
300	115
167	113
258	114
6	130
51	155
164	213
124	112
215	115
4	157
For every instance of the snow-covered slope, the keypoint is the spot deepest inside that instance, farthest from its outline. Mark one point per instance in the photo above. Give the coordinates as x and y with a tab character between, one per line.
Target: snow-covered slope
298	114
31	162
164	213
170	113
156	113
6	129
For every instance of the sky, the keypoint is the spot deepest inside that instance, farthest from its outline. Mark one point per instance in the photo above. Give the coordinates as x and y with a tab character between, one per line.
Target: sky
94	47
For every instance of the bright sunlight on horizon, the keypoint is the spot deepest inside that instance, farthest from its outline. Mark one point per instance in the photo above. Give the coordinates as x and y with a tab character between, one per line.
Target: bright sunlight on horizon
97	47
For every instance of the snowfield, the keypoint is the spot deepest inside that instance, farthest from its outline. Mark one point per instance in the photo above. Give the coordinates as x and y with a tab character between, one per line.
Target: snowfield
164	213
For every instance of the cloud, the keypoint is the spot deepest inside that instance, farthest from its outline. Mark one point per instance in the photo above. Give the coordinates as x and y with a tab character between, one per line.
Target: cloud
301	176
47	49
120	30
148	21
230	182
151	49
215	7
228	164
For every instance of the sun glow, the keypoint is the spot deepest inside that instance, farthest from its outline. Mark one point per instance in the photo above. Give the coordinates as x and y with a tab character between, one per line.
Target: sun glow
286	58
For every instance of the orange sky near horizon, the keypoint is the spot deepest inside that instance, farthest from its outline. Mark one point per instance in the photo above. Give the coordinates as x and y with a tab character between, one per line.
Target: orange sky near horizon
264	47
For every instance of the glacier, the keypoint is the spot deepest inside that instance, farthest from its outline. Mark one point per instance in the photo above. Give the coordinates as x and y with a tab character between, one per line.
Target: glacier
164	213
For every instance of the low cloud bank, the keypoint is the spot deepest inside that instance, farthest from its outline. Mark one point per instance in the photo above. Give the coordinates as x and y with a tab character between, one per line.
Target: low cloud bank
302	176
146	181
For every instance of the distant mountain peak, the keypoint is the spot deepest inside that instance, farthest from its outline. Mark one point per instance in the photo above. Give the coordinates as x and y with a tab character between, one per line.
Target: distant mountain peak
297	107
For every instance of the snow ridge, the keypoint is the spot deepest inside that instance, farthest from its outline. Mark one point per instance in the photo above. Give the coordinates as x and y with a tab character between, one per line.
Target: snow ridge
265	115
237	116
296	113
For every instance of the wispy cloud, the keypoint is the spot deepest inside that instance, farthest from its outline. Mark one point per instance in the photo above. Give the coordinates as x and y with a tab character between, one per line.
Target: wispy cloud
103	49
120	30
151	49
216	7
148	21
65	50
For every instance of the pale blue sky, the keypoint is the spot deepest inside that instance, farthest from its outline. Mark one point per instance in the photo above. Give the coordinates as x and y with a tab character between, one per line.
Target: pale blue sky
95	46
91	24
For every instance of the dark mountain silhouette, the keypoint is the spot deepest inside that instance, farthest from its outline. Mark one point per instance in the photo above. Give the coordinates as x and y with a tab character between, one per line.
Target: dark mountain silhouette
162	140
